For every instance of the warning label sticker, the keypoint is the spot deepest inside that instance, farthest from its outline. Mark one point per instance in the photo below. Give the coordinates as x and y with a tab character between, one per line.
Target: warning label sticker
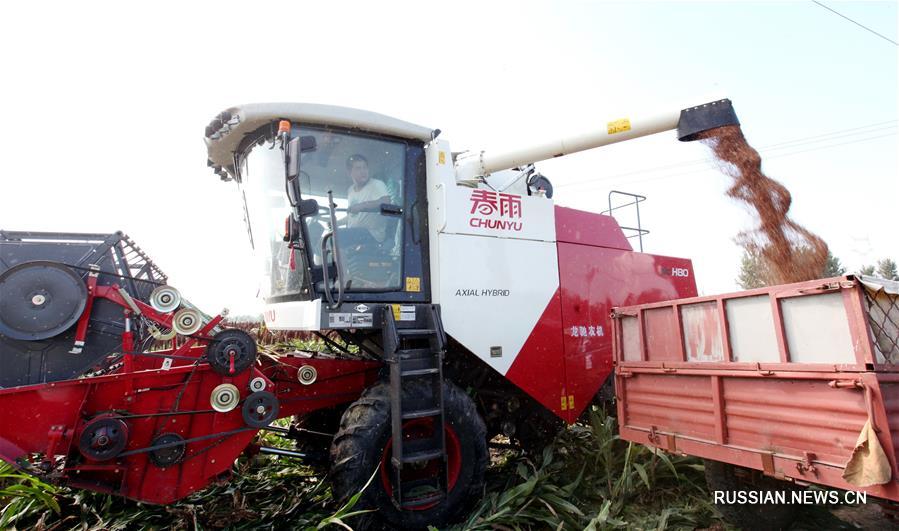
350	320
340	320
403	312
362	320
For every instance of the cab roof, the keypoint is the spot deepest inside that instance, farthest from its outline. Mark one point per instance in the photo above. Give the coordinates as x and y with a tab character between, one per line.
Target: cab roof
225	133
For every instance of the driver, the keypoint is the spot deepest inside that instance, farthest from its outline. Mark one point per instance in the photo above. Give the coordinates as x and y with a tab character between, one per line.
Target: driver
365	197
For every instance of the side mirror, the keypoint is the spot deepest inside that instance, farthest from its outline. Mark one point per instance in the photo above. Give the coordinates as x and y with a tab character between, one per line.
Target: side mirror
307	207
297	146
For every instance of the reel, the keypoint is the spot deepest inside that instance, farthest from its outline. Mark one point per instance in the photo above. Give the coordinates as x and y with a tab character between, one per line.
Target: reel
187	321
39	300
103	438
260	409
165	299
307	375
231	352
224	398
170	455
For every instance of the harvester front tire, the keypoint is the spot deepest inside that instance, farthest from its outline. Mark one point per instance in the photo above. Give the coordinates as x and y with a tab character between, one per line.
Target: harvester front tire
358	449
749	517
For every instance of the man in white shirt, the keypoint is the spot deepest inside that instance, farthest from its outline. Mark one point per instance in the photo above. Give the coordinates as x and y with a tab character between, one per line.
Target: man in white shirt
365	197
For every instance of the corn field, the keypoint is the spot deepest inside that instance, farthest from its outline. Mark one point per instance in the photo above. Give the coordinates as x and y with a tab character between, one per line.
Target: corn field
587	478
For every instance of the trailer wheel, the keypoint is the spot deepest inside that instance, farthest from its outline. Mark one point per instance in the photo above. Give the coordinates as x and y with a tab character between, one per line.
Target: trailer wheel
361	448
749	517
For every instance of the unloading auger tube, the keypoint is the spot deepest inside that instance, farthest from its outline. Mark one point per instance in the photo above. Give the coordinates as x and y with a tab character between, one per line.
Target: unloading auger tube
688	121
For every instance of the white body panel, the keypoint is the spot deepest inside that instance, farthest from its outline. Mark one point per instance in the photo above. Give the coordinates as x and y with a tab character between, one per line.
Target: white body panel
294	315
494	262
484	212
493	291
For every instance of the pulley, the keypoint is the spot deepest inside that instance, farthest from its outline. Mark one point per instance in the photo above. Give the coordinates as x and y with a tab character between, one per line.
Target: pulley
231	352
260	409
307	375
165	299
258	384
224	398
171	451
103	438
187	321
39	300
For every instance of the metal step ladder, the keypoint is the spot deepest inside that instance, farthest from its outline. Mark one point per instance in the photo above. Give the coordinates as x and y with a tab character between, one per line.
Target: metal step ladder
415	356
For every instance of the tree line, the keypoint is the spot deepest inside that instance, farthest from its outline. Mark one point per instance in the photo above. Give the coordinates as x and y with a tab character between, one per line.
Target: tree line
755	272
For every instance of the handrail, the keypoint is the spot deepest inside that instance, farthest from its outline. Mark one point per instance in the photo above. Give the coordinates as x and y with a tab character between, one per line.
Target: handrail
639	230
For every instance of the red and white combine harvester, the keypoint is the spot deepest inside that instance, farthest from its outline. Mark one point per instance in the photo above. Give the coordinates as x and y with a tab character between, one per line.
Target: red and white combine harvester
457	300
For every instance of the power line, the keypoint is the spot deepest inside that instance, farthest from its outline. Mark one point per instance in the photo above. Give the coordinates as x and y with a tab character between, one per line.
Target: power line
797	142
789	145
710	167
856	23
873	127
717	168
818	148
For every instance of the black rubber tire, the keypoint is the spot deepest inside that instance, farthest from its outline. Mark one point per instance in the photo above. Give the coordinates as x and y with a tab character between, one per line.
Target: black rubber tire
536	429
749	517
356	451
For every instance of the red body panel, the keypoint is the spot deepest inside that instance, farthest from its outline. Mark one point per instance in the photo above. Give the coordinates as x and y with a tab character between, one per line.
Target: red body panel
539	369
594	280
568	354
589	228
46	419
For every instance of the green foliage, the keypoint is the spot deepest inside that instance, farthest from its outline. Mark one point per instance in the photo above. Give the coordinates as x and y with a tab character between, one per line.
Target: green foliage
833	268
755	272
867	270
885	268
347	511
265	493
590	479
23	497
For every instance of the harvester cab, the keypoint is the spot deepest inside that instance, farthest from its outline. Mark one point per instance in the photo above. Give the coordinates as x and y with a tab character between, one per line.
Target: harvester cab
335	205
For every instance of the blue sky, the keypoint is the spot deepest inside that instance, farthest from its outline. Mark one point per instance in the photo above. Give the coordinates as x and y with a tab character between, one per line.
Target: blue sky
106	103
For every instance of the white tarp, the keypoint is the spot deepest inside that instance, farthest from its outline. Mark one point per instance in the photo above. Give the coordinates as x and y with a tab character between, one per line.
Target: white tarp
876	284
883	316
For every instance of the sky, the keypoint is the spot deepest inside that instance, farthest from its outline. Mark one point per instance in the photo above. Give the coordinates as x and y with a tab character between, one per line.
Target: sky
105	105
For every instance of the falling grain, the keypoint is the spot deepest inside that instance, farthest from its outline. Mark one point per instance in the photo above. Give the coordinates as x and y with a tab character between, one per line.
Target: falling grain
790	252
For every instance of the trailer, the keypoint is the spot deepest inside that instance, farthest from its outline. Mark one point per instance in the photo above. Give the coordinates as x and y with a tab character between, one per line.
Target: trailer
776	388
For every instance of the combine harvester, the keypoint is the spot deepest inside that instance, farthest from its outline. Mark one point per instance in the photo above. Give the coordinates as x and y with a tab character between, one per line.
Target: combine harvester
438	272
